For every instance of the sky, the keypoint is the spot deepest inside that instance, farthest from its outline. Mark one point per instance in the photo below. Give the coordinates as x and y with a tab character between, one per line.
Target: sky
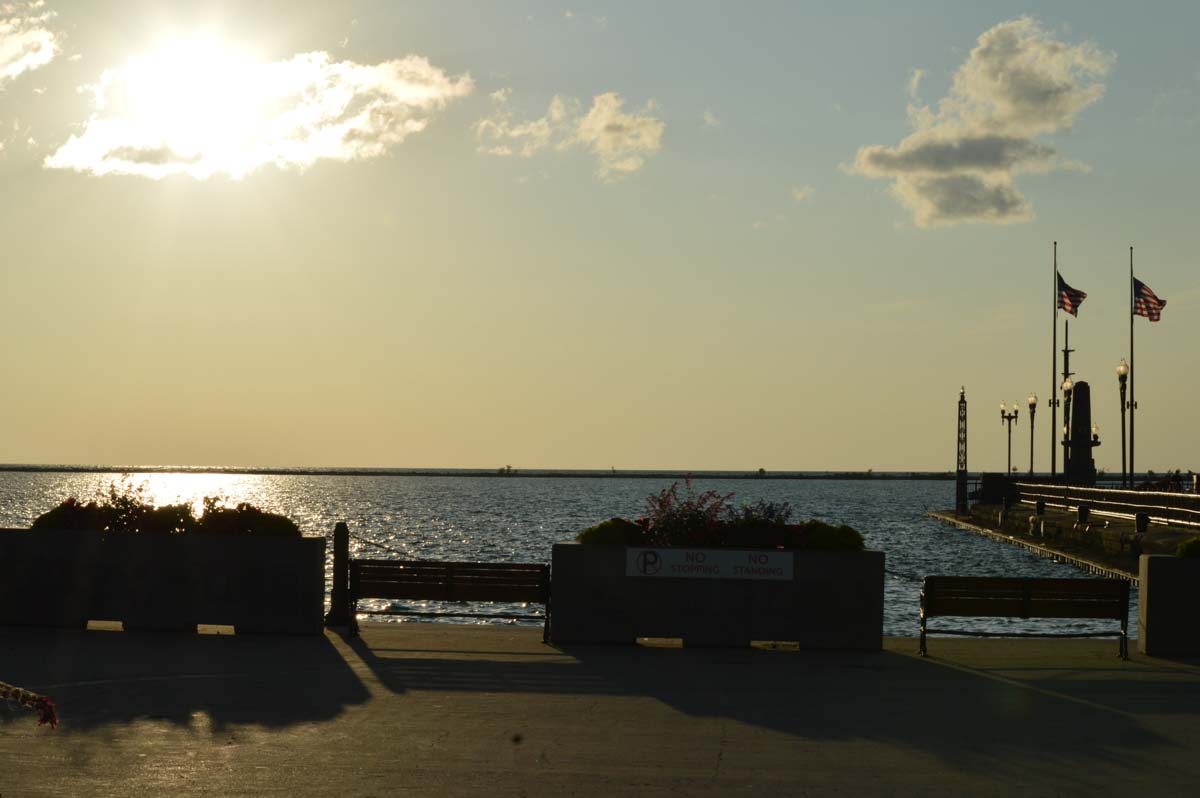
684	235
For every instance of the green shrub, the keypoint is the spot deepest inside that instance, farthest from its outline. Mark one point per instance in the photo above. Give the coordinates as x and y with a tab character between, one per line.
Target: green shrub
128	511
1188	548
820	536
245	520
708	520
72	514
614	531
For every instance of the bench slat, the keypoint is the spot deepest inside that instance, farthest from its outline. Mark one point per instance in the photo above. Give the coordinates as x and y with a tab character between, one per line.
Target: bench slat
444	565
375	577
1025	597
381	576
450	581
452	593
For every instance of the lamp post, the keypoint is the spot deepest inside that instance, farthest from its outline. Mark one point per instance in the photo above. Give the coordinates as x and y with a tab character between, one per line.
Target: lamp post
1122	378
1032	413
1067	385
1009	418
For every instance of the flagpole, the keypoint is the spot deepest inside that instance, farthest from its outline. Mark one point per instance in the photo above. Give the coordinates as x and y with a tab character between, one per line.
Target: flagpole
1054	372
1132	371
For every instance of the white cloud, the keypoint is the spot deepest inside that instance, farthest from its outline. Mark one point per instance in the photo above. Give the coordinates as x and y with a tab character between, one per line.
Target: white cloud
499	134
914	82
959	162
710	119
200	110
26	42
801	193
619	141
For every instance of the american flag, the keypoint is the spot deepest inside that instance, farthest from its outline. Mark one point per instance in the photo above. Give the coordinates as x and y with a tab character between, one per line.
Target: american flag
1145	303
1069	299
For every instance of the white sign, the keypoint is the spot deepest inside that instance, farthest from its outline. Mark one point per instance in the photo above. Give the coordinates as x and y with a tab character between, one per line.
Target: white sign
709	563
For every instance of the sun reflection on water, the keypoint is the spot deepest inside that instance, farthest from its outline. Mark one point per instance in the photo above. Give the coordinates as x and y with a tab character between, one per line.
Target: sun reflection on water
191	489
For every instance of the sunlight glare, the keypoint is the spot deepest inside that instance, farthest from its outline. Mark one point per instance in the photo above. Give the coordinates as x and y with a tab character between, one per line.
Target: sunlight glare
161	489
193	99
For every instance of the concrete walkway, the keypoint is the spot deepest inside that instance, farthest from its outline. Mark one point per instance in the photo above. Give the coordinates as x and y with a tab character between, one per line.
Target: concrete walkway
434	709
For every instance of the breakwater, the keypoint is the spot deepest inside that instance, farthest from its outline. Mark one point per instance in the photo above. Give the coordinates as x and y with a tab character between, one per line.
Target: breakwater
506	472
1084	563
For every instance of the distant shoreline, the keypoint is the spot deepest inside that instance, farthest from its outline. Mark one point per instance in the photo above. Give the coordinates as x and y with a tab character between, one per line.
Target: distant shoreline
464	472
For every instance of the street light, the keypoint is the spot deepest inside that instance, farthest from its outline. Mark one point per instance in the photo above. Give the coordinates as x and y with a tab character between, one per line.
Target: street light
1122	378
1009	418
1032	413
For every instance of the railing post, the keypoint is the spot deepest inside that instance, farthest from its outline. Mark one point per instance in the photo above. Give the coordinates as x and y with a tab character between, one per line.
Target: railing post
339	596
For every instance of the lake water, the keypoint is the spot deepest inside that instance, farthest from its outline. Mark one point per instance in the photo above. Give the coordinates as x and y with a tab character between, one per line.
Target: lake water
519	518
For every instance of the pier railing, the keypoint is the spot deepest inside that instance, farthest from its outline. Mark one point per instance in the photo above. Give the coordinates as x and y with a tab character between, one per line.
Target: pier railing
1179	509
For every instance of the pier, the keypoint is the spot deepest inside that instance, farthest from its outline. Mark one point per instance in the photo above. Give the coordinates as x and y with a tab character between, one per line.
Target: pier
1088	564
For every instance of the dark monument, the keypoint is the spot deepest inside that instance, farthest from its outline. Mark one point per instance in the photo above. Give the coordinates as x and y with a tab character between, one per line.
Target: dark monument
1080	466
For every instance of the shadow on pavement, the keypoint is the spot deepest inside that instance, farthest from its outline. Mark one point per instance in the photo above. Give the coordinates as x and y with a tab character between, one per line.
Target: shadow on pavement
103	678
964	717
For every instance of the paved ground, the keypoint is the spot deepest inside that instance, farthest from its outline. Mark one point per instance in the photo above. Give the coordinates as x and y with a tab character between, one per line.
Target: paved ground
432	709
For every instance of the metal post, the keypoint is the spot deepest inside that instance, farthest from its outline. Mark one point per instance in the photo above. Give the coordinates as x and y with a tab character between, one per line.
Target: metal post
1009	448
1054	373
1124	475
1066	376
1009	418
1132	376
960	491
1066	441
339	597
1032	414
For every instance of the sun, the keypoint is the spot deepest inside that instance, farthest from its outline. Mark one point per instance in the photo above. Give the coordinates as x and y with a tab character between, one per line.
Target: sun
202	106
198	100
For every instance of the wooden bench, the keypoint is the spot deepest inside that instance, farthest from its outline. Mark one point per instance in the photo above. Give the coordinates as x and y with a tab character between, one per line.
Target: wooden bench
449	581
1017	597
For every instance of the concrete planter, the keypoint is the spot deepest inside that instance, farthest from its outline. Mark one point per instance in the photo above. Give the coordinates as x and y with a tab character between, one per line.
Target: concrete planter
162	582
832	600
1169	606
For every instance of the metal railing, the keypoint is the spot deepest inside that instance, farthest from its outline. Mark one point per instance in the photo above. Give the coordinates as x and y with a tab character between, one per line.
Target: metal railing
1180	509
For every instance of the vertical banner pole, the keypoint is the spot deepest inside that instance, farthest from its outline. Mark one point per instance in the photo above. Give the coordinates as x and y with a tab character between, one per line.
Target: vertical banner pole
1054	371
1132	371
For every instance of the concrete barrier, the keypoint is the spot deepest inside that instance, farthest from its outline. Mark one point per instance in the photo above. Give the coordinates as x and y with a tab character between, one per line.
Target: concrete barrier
832	600
1169	606
162	582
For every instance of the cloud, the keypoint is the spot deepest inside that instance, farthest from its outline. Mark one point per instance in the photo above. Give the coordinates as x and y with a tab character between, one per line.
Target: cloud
25	41
914	82
801	193
710	119
619	141
970	153
959	162
500	134
200	111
